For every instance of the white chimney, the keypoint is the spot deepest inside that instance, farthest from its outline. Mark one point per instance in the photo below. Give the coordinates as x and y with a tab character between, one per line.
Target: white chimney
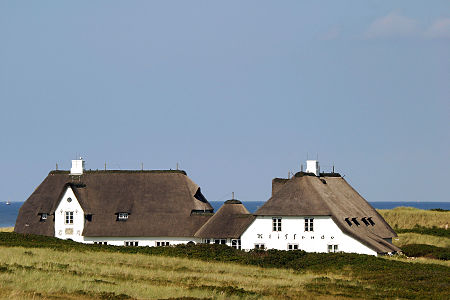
77	167
312	166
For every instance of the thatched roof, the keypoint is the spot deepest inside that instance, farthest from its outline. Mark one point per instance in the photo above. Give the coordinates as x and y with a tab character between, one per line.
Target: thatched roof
230	221
159	203
306	195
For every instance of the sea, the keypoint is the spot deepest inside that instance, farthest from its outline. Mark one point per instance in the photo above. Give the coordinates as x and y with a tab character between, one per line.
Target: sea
8	213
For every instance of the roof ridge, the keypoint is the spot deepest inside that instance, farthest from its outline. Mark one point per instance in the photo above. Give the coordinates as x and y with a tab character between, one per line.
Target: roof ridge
55	172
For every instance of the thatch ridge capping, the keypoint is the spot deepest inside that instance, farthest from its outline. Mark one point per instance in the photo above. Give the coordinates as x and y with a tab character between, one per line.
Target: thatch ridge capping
233	201
54	172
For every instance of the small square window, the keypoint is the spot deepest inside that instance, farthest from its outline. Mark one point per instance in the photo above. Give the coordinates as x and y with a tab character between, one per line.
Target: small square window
44	217
292	246
333	248
123	216
260	246
236	244
131	243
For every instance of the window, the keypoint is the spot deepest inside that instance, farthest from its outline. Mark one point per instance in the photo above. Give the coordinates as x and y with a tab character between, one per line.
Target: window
348	222
69	199
371	221
207	241
292	246
162	244
101	243
309	224
69	217
276	224
236	244
123	216
88	218
131	243
333	248
44	217
260	246
365	221
355	221
220	241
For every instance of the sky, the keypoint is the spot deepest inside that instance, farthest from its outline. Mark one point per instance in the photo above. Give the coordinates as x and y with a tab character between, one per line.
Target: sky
236	92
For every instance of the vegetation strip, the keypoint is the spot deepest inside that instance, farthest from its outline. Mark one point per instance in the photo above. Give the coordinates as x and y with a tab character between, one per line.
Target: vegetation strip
372	276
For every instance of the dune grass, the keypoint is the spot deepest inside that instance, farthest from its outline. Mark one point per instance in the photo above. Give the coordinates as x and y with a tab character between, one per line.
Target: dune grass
41	273
6	229
415	238
409	217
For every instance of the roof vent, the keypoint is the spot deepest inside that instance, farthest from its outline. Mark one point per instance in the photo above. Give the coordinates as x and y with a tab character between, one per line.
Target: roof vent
77	167
312	166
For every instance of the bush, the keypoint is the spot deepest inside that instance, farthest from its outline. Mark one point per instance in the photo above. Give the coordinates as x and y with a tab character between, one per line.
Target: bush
422	250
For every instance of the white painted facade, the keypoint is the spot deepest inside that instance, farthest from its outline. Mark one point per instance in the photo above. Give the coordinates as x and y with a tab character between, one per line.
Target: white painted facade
312	166
77	167
142	241
325	232
69	228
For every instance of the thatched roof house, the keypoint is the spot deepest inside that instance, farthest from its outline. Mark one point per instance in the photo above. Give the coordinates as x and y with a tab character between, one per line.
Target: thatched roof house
230	221
306	194
162	203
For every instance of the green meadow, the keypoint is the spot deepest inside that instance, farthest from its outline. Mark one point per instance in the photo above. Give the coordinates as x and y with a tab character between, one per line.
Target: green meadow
37	267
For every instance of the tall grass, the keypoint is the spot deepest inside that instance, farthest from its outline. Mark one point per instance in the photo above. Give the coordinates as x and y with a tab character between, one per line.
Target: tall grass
6	229
409	217
49	273
415	238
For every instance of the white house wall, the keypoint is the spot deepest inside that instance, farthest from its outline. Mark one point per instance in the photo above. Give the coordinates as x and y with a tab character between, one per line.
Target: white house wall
142	241
69	231
325	233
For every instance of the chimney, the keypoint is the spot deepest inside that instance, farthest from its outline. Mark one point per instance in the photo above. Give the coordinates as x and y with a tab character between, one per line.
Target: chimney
312	166
77	167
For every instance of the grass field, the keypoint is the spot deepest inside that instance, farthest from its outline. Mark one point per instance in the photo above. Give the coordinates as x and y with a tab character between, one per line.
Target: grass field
409	217
42	267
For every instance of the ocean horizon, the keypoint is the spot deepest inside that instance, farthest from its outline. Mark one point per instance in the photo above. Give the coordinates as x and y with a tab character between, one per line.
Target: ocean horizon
8	213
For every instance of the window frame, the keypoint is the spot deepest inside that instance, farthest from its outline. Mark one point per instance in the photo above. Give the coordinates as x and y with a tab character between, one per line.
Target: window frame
309	224
220	241
162	243
332	248
294	247
131	243
276	224
260	246
236	244
68	217
122	216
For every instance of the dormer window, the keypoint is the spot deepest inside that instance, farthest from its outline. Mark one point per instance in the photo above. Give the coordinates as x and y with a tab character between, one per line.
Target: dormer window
123	216
348	222
365	221
355	221
44	217
371	221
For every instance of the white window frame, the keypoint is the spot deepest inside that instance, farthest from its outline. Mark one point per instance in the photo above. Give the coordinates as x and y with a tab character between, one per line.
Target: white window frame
68	217
236	244
44	216
162	243
332	248
276	224
131	243
292	247
207	241
122	216
220	241
260	246
309	224
101	243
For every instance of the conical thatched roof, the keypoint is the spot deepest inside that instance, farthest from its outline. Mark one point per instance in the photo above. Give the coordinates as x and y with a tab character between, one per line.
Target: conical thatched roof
159	203
306	195
230	221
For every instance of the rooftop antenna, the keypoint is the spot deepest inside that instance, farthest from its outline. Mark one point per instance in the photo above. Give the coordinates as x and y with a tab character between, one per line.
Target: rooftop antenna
289	174
333	167
232	195
177	165
105	165
56	166
301	167
142	166
317	156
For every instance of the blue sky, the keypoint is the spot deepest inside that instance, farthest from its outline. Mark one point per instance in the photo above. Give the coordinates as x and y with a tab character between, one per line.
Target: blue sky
237	93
